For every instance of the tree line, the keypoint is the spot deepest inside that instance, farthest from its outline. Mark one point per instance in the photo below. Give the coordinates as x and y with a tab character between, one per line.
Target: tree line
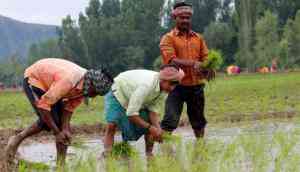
125	34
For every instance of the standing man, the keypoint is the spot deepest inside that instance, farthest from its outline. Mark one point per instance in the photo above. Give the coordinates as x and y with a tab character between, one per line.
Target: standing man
187	49
134	102
55	87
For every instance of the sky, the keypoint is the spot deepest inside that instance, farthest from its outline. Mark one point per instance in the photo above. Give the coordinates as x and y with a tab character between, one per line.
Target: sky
42	11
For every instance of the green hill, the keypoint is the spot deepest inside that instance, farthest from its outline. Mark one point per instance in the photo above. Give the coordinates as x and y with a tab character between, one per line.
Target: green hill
16	37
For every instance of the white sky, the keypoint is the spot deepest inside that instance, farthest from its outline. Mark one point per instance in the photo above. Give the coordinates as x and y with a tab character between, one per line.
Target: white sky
42	11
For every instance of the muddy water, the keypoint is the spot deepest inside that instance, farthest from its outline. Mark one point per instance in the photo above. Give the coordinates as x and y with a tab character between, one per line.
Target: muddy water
46	153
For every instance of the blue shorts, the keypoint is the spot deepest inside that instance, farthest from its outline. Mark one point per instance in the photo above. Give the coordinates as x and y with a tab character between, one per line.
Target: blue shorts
115	113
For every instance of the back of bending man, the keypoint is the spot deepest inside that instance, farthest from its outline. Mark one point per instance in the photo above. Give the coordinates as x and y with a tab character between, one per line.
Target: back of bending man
55	87
134	102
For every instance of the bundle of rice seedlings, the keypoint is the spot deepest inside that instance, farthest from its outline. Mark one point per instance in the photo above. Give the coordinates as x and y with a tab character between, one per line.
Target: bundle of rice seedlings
212	64
123	149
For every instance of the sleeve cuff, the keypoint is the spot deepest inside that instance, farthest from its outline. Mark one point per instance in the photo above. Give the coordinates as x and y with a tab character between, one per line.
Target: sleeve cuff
43	106
132	114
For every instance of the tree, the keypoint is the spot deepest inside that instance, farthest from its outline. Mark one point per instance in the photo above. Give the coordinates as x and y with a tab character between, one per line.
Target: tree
46	49
72	46
284	61
225	11
292	36
205	12
267	40
157	63
220	36
33	54
285	9
143	17
111	8
11	71
130	58
246	18
168	22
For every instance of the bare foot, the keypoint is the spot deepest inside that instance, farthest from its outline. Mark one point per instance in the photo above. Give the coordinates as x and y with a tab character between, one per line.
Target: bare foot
11	148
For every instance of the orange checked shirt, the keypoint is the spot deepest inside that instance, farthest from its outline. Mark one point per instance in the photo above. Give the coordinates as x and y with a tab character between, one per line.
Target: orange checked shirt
60	79
184	46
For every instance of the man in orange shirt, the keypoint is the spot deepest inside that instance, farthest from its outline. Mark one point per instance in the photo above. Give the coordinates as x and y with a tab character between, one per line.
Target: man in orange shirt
55	87
188	50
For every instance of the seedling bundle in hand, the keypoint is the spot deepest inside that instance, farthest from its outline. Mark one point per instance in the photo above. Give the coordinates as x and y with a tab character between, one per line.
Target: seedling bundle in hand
213	63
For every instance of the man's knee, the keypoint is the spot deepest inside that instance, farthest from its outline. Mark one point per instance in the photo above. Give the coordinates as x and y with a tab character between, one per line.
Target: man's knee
61	147
111	128
199	133
169	125
171	119
198	125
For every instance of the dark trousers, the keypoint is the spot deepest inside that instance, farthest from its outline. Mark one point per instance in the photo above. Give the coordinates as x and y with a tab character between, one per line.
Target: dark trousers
194	97
33	94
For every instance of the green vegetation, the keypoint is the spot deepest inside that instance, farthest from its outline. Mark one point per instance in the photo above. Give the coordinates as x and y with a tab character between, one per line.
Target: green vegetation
228	99
25	166
214	61
123	149
252	97
231	100
254	152
16	111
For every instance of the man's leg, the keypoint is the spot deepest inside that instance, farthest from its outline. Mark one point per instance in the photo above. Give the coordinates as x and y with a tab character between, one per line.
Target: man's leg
113	114
61	151
15	141
110	132
195	109
148	148
61	148
173	110
148	145
35	128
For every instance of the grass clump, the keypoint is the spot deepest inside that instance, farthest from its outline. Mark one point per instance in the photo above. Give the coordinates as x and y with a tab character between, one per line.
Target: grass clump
25	166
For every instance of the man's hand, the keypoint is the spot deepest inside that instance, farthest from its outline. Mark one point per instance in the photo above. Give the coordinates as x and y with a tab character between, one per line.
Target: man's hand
156	133
197	65
61	138
68	135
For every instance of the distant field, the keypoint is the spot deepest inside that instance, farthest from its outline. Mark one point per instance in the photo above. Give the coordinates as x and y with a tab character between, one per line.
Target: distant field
16	111
229	99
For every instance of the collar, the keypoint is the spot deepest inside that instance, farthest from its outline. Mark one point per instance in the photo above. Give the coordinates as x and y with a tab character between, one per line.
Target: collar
157	83
177	32
79	86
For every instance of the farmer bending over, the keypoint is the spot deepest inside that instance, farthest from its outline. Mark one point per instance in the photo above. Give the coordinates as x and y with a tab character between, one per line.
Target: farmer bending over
134	102
55	87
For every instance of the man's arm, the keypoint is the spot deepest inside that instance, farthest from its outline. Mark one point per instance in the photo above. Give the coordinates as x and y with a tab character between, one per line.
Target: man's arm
47	118
66	118
153	130
56	92
136	119
154	119
169	54
69	107
134	106
186	63
66	128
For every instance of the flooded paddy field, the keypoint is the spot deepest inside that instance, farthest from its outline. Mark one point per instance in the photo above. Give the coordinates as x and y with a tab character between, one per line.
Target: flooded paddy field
259	146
